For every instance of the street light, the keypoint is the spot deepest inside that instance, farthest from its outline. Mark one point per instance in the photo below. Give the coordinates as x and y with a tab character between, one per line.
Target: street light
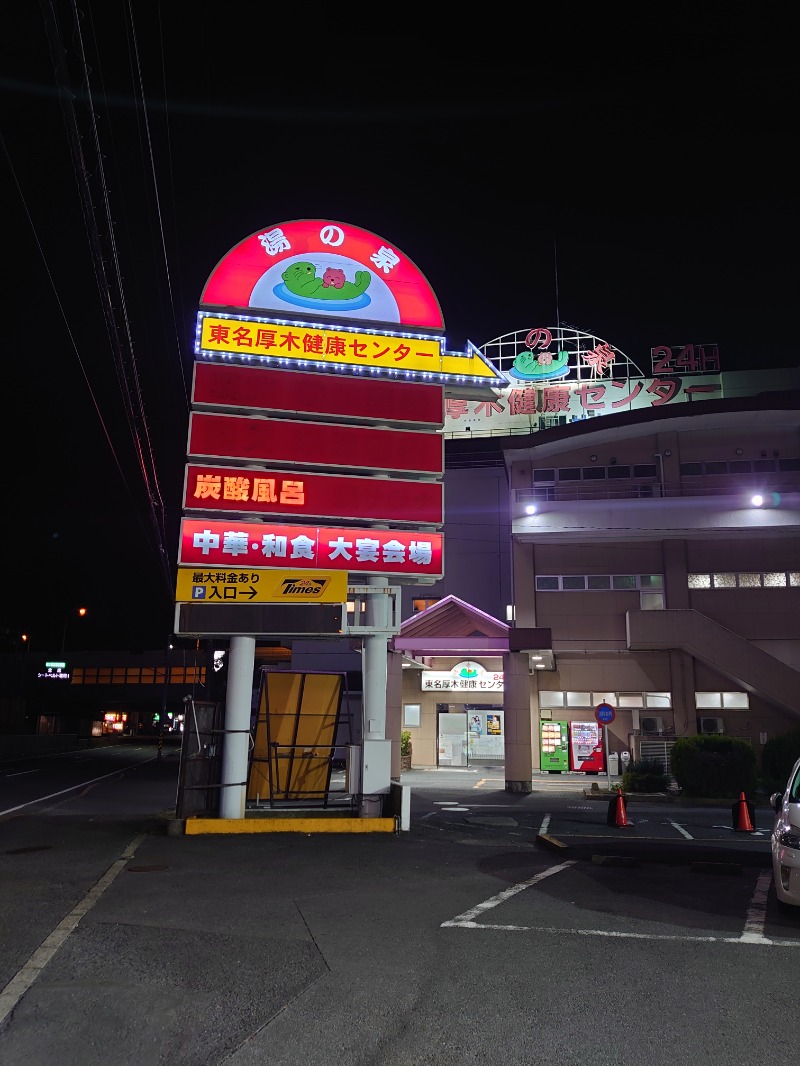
26	640
81	613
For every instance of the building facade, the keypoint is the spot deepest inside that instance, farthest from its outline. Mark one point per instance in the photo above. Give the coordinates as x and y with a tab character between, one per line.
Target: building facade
660	550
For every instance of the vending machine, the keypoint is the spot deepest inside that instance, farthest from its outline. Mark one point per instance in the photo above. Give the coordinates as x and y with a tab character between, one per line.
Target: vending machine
553	747
586	747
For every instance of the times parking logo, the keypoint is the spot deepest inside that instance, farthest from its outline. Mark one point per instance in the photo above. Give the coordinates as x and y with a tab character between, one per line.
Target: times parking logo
308	588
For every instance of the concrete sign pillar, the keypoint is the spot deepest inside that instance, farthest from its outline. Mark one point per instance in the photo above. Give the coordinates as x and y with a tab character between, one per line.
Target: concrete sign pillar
236	742
517	722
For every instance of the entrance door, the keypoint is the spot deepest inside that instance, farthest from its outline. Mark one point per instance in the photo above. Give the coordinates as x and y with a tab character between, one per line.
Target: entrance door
453	748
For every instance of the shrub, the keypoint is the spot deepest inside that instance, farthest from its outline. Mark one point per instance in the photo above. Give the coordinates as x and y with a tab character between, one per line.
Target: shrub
405	742
647	775
714	766
779	755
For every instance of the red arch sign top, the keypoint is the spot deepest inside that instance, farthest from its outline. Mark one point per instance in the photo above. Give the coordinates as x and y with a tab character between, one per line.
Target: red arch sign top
324	268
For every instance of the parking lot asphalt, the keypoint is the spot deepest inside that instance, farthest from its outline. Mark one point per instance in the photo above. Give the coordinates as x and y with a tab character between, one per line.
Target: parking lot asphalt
464	940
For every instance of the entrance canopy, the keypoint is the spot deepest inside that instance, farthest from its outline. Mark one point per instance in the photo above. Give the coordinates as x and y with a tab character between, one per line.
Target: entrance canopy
452	627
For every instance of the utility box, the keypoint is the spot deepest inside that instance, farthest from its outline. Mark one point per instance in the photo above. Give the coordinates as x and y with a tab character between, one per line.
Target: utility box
377	772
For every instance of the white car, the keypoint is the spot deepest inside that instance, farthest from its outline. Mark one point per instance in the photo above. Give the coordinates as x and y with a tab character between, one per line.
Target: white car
785	840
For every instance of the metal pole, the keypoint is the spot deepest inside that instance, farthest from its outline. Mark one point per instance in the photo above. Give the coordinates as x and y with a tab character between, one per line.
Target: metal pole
608	764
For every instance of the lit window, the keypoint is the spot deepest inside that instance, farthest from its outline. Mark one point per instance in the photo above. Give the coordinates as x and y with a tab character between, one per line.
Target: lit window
651	601
699	581
579	699
658	699
707	699
724	581
735	699
604	697
423	604
411	714
750	581
774	581
630	699
551	699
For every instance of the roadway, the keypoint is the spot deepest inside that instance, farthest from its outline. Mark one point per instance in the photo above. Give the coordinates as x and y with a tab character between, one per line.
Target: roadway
461	941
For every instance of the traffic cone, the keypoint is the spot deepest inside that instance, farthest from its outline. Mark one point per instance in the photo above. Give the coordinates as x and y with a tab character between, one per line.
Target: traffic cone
621	816
744	823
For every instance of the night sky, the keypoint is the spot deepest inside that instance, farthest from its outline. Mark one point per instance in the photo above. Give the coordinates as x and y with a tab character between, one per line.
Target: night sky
643	192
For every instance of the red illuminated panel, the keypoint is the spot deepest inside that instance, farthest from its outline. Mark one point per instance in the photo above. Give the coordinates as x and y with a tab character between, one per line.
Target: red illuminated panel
295	493
359	551
251	272
318	444
228	385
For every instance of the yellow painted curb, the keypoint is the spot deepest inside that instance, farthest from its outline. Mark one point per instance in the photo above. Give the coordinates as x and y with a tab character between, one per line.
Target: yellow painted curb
199	826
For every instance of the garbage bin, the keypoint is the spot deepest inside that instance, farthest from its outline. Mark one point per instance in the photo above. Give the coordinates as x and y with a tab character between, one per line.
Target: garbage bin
613	764
625	760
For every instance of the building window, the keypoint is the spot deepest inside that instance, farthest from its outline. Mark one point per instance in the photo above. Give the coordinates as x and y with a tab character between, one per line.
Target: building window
772	580
658	699
598	582
651	581
750	581
724	581
411	714
624	581
739	700
579	699
651	601
630	699
714	700
573	583
621	700
423	604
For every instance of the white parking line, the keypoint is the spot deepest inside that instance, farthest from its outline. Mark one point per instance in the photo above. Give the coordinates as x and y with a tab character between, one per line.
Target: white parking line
545	824
753	933
681	830
466	920
757	911
561	931
24	978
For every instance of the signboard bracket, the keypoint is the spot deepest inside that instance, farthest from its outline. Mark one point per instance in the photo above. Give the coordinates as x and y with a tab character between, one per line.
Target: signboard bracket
357	595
